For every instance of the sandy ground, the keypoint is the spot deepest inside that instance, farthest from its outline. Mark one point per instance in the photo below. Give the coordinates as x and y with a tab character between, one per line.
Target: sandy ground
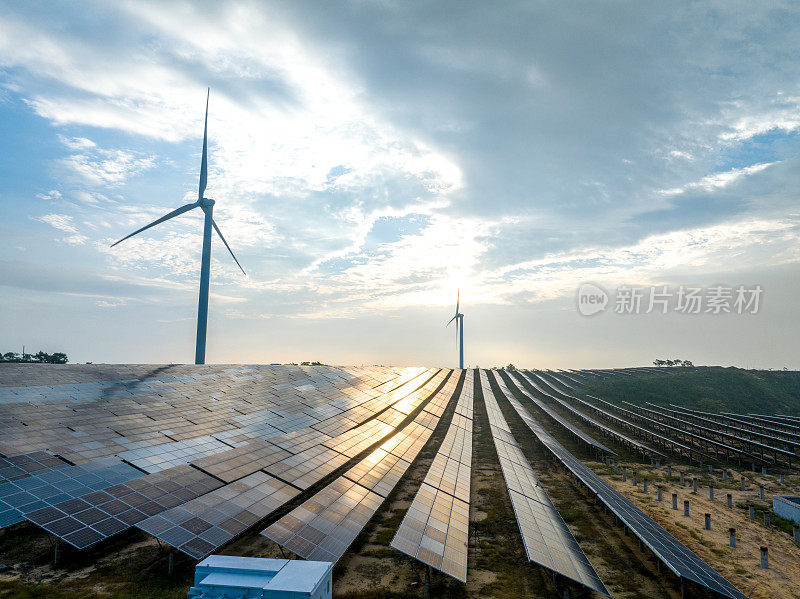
741	566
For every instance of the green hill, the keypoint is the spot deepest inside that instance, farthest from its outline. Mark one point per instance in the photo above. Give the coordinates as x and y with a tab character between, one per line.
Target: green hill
711	389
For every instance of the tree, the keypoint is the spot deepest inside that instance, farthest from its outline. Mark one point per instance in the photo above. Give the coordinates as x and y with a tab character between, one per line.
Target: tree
39	357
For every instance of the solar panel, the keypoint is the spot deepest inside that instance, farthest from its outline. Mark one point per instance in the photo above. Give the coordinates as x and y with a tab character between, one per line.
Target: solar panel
160	457
739	424
93	517
586	418
547	539
200	526
47	487
678	558
307	467
665	442
435	529
677	432
708	432
325	525
239	462
22	465
228	422
588	439
131	408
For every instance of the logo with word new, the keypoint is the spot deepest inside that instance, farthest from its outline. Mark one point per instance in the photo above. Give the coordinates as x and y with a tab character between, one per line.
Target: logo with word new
591	299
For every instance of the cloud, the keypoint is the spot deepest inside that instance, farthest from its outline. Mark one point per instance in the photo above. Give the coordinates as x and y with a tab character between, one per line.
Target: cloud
720	180
62	222
53	194
531	145
111	168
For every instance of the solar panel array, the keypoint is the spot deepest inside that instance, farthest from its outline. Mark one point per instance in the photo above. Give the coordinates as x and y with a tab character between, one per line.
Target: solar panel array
740	424
20	466
85	421
586	438
94	517
662	440
324	526
435	529
48	487
198	527
534	380
678	558
710	433
231	424
547	539
692	440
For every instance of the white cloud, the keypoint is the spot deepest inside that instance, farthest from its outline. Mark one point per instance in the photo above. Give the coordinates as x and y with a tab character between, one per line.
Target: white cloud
53	194
62	222
107	167
720	180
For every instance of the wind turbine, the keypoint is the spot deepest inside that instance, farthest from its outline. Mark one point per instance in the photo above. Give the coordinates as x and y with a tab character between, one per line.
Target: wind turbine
207	204
459	318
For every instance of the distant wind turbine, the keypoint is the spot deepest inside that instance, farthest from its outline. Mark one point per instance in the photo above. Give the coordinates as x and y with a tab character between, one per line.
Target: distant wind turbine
207	204
459	318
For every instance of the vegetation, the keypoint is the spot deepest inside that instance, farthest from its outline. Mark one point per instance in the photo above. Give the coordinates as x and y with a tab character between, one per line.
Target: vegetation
677	362
39	357
712	389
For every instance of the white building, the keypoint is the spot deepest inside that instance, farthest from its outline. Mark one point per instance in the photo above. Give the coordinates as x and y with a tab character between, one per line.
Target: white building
229	577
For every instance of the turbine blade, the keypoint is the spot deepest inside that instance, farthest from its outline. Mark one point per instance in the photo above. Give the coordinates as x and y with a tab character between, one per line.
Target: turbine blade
216	228
204	163
458	300
451	320
172	214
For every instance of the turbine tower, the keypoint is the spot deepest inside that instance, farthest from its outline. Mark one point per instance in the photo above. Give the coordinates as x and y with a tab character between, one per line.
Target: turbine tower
459	318
207	205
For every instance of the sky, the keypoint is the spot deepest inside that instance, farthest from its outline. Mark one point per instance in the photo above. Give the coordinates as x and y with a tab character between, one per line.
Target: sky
370	159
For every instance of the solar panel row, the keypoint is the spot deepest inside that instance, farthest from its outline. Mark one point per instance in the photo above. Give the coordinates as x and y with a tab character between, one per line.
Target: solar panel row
435	529
588	439
91	518
86	421
680	559
199	526
735	441
547	539
739	424
20	466
228	464
660	440
624	439
698	443
324	526
48	487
